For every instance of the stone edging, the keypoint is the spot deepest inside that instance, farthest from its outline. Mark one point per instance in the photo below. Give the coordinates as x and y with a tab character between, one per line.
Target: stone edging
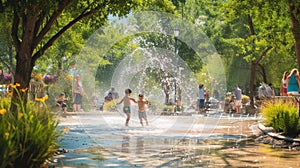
276	136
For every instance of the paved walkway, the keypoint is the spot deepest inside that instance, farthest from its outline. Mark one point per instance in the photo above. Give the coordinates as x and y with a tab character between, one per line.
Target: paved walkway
101	139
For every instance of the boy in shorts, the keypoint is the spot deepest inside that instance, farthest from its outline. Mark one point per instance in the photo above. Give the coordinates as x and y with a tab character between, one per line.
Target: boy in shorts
60	103
142	109
126	108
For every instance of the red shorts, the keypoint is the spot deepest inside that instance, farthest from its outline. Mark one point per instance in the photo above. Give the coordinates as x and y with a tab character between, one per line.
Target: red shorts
284	90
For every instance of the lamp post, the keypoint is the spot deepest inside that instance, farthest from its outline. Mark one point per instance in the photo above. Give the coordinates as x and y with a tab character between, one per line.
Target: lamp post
176	34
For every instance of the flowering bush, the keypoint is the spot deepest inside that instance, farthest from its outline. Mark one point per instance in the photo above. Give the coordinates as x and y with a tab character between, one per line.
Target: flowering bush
49	79
7	77
69	78
37	77
28	135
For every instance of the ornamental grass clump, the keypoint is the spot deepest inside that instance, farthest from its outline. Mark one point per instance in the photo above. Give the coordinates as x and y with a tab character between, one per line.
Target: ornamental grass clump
282	117
28	135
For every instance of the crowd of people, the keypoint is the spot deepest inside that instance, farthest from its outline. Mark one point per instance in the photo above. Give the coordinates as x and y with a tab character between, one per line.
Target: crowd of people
289	86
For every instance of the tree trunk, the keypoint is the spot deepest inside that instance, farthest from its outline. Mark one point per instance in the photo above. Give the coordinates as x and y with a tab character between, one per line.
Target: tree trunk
251	83
22	75
263	73
294	11
166	89
24	64
253	66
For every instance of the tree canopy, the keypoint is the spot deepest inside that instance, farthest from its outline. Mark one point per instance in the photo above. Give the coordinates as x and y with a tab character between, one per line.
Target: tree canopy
36	25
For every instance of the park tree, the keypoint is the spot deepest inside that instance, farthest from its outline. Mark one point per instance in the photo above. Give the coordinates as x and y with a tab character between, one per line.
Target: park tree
294	10
269	32
32	22
251	36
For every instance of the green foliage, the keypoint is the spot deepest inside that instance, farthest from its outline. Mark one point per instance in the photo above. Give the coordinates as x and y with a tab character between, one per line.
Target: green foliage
282	117
5	102
287	122
27	136
261	34
168	108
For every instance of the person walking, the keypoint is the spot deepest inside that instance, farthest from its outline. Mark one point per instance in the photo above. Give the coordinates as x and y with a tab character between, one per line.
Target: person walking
126	108
293	83
201	98
78	94
270	91
114	93
283	85
238	99
261	91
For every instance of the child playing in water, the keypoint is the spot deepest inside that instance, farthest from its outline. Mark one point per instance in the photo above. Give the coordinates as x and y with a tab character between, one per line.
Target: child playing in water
126	108
142	109
60	103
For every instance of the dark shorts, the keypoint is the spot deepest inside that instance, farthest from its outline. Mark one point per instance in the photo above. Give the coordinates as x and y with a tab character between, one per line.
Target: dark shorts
77	98
62	104
201	103
126	109
142	115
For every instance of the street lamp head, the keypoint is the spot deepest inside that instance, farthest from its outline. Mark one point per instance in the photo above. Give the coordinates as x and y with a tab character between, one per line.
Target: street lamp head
176	32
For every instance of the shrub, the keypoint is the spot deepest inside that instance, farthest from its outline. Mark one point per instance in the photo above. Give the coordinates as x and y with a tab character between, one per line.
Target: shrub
169	108
27	136
282	117
245	99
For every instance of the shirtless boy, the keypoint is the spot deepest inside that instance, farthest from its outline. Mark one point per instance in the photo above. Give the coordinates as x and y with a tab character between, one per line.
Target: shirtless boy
126	108
142	109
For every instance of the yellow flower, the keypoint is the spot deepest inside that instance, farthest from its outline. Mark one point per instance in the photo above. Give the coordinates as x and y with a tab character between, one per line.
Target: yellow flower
10	93
38	77
6	135
69	77
2	111
13	86
24	89
20	115
42	100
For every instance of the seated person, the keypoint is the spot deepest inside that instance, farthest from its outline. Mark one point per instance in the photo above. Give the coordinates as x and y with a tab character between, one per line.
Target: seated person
109	97
60	103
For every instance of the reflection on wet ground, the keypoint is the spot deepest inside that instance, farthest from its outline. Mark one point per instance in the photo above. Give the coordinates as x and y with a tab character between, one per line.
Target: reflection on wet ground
169	141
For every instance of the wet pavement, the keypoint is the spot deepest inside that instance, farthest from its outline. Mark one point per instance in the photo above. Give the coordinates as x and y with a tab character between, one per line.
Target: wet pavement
100	139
